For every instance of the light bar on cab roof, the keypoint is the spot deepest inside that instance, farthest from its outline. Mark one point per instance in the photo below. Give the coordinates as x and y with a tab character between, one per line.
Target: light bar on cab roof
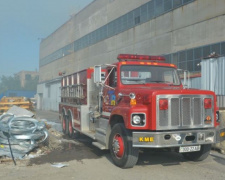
122	57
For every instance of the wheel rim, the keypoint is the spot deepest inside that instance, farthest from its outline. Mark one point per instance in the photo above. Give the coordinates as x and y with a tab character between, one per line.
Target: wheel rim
70	127
118	146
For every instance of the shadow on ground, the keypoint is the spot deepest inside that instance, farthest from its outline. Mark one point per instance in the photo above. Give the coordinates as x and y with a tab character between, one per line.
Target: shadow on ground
82	148
78	149
159	156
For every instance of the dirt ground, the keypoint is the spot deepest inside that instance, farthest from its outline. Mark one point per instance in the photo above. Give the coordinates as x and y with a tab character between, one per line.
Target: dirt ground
82	160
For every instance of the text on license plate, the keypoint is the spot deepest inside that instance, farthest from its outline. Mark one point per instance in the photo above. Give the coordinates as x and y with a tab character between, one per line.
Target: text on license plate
189	149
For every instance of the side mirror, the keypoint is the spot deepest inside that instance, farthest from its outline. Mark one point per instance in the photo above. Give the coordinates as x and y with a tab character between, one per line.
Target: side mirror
185	78
97	74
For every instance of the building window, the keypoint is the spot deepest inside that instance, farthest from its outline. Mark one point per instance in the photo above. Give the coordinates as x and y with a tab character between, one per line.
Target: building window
159	7
177	3
168	5
190	54
197	66
151	10
215	48
124	22
144	13
206	51
186	1
190	66
198	53
183	65
223	48
130	20
168	58
174	59
182	56
137	20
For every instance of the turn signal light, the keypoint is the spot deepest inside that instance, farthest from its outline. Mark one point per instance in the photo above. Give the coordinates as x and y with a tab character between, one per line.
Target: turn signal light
207	103
133	102
222	134
163	104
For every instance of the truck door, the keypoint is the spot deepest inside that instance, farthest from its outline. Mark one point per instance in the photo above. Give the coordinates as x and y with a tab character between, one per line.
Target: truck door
109	95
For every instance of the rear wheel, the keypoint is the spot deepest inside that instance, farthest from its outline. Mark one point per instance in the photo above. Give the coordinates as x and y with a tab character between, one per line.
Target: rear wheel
64	123
120	145
70	126
199	155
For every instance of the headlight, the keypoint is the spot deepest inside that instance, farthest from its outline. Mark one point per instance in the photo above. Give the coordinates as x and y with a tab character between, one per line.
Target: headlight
138	119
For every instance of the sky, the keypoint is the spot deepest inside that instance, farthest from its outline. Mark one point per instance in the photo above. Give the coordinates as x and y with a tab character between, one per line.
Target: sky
23	23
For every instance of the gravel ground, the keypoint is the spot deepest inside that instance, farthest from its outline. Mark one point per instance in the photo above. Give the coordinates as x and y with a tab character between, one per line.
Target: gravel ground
85	161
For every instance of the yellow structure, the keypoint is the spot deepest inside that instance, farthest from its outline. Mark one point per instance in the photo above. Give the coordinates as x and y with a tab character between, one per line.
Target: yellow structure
7	102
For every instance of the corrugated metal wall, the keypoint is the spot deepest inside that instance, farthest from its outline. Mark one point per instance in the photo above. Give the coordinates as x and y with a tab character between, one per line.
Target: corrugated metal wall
49	95
221	102
213	78
213	75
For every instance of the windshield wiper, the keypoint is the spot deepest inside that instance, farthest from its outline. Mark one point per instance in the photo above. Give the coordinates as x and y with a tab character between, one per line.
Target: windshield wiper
166	82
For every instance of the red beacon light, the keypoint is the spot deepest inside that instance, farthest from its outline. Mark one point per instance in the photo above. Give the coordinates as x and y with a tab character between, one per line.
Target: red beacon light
125	57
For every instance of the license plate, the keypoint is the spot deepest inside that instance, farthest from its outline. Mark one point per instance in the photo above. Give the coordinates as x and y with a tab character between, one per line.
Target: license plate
189	149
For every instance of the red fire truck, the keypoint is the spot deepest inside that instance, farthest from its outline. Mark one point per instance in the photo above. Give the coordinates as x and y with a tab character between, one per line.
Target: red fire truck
139	102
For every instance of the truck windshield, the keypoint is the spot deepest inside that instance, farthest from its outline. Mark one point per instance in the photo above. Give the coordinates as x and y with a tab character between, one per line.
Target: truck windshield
144	74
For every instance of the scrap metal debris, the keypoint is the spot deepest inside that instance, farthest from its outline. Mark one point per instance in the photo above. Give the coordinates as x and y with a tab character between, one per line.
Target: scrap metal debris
59	165
21	134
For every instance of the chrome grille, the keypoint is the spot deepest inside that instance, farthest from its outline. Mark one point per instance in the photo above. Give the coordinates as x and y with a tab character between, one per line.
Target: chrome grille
175	115
184	111
197	110
163	120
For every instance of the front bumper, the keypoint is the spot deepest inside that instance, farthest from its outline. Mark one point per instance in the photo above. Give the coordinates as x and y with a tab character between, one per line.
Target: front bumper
177	138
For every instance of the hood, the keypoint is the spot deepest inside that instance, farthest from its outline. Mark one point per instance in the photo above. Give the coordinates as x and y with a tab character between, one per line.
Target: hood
154	90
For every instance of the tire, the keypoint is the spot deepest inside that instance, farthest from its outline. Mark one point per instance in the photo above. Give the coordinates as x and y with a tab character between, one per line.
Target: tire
70	126
64	123
120	145
199	155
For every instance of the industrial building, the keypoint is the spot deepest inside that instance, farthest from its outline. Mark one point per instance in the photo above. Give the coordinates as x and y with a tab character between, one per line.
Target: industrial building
26	76
184	31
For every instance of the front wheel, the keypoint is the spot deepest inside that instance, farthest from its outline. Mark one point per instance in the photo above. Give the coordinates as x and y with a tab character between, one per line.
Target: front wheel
199	155
120	145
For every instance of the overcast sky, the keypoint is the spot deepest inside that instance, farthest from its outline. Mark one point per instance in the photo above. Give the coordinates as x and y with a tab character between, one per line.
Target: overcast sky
23	23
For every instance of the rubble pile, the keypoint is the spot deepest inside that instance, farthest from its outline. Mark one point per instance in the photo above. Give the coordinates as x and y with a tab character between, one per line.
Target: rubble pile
20	134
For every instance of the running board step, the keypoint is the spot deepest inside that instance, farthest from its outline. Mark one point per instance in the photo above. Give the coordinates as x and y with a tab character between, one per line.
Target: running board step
98	145
101	131
90	134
